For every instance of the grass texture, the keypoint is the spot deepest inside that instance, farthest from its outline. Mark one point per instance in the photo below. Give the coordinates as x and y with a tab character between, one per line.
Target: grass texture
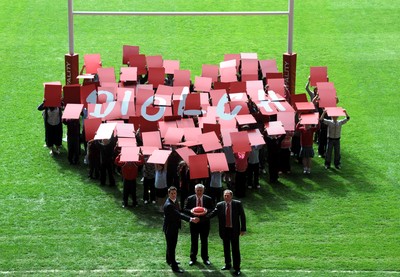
55	221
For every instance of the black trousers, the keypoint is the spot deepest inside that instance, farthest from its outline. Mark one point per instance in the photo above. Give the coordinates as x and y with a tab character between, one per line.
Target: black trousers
231	241
129	189
201	230
171	237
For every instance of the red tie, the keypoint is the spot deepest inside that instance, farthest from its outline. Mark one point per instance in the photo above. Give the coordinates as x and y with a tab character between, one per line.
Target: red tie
198	202
228	215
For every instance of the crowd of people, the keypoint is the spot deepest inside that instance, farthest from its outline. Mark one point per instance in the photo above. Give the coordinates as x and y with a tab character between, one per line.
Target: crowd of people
162	184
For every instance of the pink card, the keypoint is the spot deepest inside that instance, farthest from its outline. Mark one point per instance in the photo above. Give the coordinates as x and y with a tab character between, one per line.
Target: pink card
125	130
250	66
228	74
126	94
129	154
92	62
88	94
216	96
142	95
210	71
318	74
170	66
181	78
274	128
229	57
122	141
154	61
173	136
256	85
277	85
249	56
159	156
217	162
267	108
268	66
148	150
127	51
185	123
226	136
52	95
152	139
128	74
185	152
192	134
240	142
202	83
210	141
249	77
72	111
210	127
71	94
91	126
106	75
243	119
105	131
287	119
198	166
255	137
164	125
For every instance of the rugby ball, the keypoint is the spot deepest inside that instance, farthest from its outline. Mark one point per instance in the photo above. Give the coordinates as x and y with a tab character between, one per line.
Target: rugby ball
199	211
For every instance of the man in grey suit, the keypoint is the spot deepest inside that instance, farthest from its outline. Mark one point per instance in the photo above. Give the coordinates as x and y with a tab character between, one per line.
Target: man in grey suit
232	225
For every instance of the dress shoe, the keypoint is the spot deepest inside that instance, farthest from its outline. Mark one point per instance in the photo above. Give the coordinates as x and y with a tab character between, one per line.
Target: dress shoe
226	267
206	262
192	262
236	272
177	270
177	262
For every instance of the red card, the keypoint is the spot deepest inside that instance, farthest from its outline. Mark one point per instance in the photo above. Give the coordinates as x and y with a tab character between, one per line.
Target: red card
226	136
138	61
52	95
154	61
181	78
192	102
126	141
210	71
244	110
268	66
209	127
240	142
311	119
106	94
198	166
170	66
202	83
92	62
91	126
129	154
156	76
235	87
273	75
128	51
302	97
327	94
318	74
335	111
159	156
88	94
210	141
217	162
72	111
152	139
249	77
277	85
71	94
305	106
128	74
185	152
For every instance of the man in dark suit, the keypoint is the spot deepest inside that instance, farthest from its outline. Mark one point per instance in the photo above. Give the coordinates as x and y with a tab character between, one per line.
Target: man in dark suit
202	229
171	226
232	225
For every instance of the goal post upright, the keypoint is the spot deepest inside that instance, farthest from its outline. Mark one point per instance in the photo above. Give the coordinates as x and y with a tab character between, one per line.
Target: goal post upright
289	58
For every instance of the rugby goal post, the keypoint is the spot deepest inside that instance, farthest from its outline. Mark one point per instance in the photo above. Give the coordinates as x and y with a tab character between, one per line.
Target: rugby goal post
289	58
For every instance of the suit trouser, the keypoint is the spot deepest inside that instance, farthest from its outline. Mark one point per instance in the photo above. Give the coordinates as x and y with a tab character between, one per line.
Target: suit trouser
228	241
196	230
333	144
171	237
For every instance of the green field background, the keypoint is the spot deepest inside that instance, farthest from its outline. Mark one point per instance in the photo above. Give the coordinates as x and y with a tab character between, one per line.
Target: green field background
55	221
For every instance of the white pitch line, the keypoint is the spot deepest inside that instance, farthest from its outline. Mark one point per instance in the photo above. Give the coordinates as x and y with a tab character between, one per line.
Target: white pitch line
83	271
